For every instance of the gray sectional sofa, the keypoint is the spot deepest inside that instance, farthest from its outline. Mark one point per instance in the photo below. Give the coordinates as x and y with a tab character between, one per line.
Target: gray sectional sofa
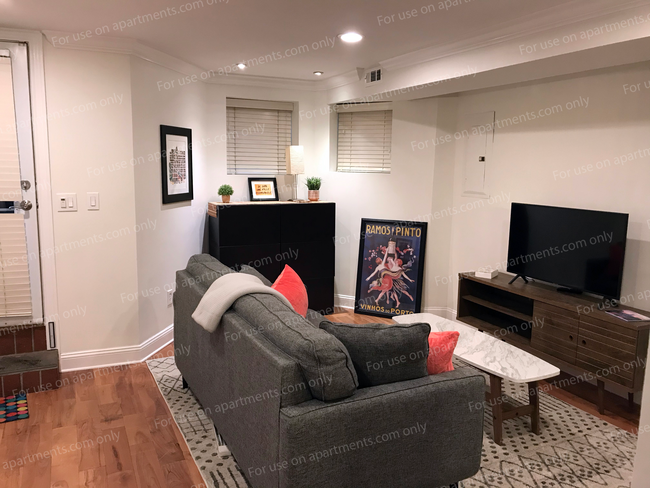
294	422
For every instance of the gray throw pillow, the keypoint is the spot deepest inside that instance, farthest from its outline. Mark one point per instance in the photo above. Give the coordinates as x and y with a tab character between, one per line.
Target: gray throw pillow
252	271
384	353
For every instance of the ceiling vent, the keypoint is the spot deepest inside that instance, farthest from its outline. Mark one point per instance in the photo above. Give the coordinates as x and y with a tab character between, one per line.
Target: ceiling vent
373	76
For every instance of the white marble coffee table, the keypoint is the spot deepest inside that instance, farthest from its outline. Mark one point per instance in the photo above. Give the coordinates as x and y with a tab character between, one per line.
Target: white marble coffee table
501	361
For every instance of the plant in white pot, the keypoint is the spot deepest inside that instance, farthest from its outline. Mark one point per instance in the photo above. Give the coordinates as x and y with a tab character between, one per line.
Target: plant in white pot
225	191
313	185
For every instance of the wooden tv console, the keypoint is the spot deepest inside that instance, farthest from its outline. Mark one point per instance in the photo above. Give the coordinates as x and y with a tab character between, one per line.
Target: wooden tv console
568	331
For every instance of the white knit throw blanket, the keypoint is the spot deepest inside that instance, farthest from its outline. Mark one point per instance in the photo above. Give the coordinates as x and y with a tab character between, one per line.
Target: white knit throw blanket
223	293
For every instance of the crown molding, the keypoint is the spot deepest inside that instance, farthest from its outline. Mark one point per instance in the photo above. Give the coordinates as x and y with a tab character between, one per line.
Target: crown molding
132	47
571	13
340	80
267	81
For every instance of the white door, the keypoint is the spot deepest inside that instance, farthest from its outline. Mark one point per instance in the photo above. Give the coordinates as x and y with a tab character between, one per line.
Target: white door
20	274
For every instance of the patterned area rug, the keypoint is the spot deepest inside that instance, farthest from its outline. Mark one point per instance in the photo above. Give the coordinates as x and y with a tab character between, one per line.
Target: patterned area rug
575	448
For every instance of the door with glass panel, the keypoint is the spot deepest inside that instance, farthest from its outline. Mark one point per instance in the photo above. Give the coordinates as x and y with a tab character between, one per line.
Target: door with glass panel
20	277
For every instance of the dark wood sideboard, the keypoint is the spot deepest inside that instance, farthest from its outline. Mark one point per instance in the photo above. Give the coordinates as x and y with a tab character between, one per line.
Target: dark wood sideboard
569	331
268	235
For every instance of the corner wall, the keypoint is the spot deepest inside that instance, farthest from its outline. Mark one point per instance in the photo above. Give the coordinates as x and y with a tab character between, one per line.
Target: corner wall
89	119
180	228
115	265
575	157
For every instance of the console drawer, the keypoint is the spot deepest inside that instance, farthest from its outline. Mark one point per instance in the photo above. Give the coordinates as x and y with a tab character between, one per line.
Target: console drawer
555	331
556	316
609	331
566	336
558	349
589	341
614	372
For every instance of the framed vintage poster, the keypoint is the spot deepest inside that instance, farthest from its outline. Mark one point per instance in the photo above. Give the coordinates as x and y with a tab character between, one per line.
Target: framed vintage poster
391	267
263	189
176	157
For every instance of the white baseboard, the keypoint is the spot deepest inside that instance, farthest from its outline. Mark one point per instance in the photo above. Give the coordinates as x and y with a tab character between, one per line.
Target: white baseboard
445	312
347	301
344	301
101	358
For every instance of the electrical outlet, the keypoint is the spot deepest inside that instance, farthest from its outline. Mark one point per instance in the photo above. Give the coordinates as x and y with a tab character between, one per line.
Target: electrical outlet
170	297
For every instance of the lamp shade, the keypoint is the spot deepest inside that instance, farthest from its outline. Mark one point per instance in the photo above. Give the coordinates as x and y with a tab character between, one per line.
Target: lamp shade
295	160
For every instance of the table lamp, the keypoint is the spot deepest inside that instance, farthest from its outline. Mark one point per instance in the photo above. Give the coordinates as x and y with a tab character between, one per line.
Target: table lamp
295	166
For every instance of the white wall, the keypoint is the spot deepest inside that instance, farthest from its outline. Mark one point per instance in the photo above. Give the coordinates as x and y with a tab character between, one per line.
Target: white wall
404	194
180	228
529	157
105	112
641	465
95	251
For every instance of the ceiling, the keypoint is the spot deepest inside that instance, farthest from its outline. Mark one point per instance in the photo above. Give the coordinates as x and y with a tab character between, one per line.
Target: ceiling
212	34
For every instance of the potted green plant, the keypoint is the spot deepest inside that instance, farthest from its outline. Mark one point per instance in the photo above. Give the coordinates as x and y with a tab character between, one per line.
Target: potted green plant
313	185
225	191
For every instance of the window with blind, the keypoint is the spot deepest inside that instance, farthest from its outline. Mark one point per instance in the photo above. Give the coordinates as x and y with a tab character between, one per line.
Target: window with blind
364	141
258	134
15	292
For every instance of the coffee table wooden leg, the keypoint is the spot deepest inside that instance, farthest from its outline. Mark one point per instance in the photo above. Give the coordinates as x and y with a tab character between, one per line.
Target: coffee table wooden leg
533	400
496	402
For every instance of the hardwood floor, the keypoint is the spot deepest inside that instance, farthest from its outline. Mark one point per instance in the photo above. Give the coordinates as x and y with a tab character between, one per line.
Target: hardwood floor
105	428
111	428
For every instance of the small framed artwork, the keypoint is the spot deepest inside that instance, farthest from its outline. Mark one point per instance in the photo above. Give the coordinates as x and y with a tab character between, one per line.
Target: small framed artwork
263	189
391	267
176	157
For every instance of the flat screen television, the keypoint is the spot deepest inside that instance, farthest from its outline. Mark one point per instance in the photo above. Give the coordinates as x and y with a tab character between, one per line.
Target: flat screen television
582	250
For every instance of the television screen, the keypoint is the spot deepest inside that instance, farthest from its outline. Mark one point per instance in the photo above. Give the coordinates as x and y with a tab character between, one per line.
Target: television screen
579	249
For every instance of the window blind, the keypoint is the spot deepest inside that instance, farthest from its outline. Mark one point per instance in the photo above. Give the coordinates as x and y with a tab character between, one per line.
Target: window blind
257	140
15	292
9	168
364	141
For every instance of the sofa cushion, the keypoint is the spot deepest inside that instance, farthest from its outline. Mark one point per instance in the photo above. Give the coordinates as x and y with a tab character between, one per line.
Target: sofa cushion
441	351
314	318
384	353
325	363
204	270
293	289
252	271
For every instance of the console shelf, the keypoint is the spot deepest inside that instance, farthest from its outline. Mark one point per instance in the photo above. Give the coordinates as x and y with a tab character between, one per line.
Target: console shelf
499	308
568	331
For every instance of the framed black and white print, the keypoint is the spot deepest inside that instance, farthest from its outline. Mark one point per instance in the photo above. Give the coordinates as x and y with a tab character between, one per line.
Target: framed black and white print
263	189
176	157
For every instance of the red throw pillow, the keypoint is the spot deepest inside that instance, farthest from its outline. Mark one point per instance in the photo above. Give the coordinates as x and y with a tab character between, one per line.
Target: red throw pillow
441	350
293	289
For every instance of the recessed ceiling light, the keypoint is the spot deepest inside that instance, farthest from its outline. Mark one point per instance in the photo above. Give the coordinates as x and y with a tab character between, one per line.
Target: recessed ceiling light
241	66
318	73
351	37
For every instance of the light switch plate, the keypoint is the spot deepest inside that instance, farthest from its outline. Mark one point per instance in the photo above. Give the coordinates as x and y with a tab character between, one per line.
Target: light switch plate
93	200
66	202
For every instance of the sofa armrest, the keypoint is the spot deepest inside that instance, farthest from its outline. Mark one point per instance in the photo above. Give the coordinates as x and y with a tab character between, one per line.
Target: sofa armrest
419	433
